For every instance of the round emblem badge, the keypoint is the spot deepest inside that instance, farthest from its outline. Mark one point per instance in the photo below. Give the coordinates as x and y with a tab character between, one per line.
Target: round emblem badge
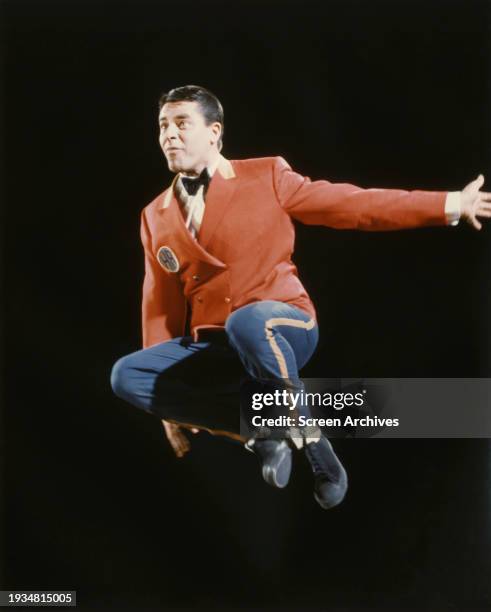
167	259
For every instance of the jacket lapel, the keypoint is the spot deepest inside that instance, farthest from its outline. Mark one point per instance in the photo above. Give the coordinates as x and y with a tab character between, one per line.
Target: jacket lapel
174	233
220	192
169	196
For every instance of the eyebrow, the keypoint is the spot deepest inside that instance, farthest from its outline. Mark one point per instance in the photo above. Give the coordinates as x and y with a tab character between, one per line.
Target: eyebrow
184	116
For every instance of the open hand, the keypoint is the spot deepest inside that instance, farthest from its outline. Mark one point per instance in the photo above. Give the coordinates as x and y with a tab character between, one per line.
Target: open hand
475	203
177	438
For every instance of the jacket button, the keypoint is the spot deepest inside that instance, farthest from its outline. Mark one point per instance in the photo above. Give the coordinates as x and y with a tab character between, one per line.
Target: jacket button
227	300
199	299
195	277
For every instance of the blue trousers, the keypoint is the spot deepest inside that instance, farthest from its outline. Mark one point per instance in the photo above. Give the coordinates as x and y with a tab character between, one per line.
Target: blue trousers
197	383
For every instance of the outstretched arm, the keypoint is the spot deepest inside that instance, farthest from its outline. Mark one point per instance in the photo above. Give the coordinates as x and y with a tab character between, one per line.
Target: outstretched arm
346	206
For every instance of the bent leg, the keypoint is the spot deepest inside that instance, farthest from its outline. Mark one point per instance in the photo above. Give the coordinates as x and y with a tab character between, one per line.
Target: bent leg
273	339
193	383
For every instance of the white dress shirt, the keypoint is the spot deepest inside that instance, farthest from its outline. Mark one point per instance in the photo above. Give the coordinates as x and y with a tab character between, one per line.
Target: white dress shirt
193	206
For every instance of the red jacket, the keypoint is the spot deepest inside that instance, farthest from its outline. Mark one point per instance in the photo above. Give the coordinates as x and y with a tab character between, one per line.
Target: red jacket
246	240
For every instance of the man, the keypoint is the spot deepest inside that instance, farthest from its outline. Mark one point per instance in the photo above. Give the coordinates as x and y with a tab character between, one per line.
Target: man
221	296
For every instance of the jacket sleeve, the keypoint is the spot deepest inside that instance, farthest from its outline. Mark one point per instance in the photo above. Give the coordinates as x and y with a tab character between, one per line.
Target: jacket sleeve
345	206
163	303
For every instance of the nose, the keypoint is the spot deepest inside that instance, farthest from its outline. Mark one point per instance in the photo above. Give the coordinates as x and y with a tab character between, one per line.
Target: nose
171	132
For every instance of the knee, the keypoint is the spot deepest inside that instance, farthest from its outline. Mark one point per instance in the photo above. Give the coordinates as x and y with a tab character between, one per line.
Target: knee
121	377
240	327
248	325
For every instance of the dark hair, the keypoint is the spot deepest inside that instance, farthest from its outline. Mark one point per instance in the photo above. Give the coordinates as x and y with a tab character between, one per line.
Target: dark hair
209	104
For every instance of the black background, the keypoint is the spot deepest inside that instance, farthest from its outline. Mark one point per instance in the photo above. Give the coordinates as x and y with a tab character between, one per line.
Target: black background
380	94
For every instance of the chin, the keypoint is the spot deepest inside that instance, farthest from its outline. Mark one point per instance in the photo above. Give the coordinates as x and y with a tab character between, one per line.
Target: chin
174	167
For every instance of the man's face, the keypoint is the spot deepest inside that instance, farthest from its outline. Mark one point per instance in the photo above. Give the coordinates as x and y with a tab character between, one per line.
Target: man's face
187	142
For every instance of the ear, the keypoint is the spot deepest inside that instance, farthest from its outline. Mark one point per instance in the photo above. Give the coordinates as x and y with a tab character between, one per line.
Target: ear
216	130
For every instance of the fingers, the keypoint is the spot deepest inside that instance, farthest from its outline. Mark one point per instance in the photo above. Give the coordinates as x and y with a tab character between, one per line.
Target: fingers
474	186
476	203
475	223
480	209
483	203
479	182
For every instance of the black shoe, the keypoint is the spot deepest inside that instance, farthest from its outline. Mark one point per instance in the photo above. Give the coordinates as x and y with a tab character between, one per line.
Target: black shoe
276	460
331	480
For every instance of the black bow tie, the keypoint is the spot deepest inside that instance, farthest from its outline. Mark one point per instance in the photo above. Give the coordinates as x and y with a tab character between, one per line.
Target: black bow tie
191	185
